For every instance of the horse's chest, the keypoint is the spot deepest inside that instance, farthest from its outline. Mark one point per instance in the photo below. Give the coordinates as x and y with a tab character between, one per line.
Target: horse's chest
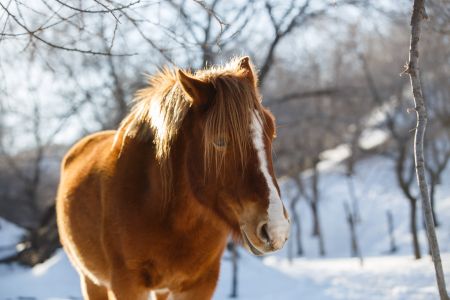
176	268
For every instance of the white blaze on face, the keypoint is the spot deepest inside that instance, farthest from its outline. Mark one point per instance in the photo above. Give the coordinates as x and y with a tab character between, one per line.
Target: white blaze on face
278	224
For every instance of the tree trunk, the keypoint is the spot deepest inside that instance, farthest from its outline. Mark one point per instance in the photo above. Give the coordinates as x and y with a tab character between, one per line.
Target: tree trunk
354	199
433	183
405	185
321	245
316	223
297	235
315	202
297	230
290	251
234	262
317	231
39	244
390	220
433	209
417	16
413	228
350	218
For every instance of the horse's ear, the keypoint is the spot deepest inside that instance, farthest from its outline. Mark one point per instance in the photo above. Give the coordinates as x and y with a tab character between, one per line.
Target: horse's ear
245	64
199	91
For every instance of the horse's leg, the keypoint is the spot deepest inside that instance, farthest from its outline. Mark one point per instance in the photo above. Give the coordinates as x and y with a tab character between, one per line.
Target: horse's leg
203	290
159	295
199	292
91	291
124	287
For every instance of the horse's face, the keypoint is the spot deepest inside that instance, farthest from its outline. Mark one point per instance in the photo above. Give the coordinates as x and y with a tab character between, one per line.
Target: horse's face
240	186
263	220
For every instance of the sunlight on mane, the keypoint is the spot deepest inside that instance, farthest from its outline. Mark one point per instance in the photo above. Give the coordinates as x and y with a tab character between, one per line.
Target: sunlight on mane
160	109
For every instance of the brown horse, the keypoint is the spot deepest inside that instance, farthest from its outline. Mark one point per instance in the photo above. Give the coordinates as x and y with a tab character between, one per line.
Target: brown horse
149	207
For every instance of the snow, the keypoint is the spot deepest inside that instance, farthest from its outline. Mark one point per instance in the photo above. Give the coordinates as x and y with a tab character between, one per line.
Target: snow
377	193
385	277
396	277
371	138
54	279
331	158
9	234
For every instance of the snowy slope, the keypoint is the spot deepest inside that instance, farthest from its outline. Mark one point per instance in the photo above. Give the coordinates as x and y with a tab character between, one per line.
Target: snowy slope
377	192
380	278
9	234
54	279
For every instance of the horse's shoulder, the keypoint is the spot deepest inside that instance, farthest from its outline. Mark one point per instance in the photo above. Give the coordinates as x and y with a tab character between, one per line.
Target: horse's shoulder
92	146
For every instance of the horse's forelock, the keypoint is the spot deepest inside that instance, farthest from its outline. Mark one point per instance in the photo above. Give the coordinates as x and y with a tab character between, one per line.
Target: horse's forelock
229	118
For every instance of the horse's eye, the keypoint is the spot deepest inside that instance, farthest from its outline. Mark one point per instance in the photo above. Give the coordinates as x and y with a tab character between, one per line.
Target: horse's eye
220	143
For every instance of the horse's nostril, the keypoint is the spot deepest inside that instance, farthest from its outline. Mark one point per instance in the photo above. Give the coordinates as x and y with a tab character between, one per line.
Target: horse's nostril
264	233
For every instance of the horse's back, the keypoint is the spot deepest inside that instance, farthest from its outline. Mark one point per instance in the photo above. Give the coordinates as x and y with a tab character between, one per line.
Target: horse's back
79	206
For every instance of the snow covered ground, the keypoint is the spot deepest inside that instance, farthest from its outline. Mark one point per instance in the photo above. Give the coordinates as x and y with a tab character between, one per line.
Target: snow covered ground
337	276
384	277
393	278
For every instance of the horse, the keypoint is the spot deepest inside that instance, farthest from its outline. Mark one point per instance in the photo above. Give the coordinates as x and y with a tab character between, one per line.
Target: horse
147	209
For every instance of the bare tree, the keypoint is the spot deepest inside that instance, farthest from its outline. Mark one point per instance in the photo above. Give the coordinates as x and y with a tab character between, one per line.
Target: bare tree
312	197
297	225
439	11
210	33
33	185
437	152
390	221
404	171
351	220
419	14
355	153
291	164
438	157
33	22
297	230
399	133
234	257
292	16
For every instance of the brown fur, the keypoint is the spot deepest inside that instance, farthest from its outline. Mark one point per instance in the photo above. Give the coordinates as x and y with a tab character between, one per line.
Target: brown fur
137	207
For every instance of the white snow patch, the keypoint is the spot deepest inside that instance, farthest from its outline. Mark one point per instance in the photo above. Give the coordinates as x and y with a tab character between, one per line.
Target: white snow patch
372	138
331	158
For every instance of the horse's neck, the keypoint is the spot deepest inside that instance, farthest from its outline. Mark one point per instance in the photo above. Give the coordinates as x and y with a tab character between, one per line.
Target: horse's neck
181	208
190	211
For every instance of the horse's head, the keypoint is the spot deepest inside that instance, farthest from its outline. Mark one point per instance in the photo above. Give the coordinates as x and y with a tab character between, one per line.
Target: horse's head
229	160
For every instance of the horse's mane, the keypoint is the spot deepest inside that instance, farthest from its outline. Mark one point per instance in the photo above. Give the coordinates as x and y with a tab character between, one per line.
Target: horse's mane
157	113
160	109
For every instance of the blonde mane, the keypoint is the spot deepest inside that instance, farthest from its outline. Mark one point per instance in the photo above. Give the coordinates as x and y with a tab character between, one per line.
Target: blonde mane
160	109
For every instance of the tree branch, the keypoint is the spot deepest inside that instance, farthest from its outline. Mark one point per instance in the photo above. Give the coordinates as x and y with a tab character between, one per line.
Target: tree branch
302	95
33	34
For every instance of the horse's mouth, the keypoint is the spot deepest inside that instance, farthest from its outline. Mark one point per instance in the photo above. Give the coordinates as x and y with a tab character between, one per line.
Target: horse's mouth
248	244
